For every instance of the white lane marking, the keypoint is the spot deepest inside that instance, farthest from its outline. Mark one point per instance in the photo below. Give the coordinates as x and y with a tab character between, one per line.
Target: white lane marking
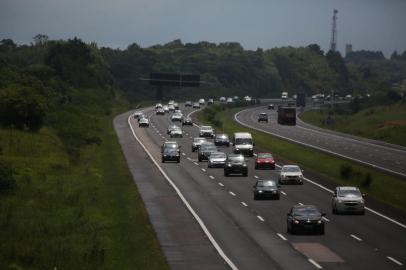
325	219
256	176
314	263
315	147
281	236
261	218
394	260
211	176
186	203
197	164
356	237
300	203
221	184
163	137
203	169
255	154
284	193
189	159
231	193
243	203
191	137
183	154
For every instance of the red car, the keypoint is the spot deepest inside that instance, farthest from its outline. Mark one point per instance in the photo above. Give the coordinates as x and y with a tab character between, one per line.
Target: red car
264	161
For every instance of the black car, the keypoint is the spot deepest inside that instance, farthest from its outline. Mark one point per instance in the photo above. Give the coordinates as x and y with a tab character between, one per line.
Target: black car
266	189
170	154
187	122
305	218
235	164
263	117
222	139
205	151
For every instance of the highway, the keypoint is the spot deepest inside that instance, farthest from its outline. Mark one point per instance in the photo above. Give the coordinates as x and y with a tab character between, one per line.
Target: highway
250	234
386	157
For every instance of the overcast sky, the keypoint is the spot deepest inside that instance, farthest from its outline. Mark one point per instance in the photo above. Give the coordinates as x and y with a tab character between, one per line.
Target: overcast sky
367	24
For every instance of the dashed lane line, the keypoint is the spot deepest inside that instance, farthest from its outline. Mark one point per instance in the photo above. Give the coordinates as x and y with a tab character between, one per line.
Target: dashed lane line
231	193
211	176
281	236
394	260
261	218
318	266
243	203
356	237
221	184
284	193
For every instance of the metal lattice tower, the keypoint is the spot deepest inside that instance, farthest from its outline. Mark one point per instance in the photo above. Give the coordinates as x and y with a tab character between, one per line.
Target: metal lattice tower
333	42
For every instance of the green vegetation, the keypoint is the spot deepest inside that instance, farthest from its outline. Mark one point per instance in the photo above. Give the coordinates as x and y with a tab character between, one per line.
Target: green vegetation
383	187
386	123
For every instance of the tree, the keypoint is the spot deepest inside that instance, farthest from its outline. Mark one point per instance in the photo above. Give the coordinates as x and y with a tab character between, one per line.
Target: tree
337	64
7	44
394	56
315	48
40	40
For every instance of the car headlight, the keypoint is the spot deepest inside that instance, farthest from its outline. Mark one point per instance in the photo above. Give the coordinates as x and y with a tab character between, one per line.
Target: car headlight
296	221
260	191
319	221
244	165
229	165
339	201
274	191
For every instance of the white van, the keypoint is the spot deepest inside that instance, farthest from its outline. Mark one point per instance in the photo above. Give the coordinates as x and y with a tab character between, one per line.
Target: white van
243	143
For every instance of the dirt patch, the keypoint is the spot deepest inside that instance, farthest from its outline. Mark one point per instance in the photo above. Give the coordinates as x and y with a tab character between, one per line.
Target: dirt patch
391	124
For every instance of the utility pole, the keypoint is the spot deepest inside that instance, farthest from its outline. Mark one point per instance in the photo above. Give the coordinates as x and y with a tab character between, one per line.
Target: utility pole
333	42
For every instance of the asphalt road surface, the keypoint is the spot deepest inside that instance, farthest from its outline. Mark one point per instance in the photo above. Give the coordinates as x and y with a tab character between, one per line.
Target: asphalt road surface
383	156
250	234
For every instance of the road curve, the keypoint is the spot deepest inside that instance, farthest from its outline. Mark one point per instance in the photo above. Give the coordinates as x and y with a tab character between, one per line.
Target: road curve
252	234
361	150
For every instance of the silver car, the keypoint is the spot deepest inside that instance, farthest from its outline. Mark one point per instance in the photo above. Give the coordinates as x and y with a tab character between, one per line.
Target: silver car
206	131
197	142
291	174
176	133
348	199
217	159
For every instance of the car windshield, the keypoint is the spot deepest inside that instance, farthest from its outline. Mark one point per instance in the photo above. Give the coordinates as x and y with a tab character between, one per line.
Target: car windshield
171	145
264	155
221	136
199	140
240	141
263	114
205	128
170	151
349	193
306	211
266	184
291	169
218	155
208	148
236	158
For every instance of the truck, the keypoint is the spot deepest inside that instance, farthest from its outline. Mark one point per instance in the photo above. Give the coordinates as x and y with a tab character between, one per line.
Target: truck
243	144
286	115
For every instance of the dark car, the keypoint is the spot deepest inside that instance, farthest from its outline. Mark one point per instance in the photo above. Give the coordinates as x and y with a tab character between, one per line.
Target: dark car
305	218
188	104
205	151
187	122
235	164
222	139
271	107
197	142
264	161
170	154
170	145
263	117
266	189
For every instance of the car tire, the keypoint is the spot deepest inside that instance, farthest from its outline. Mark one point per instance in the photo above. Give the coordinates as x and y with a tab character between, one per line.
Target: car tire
225	173
178	161
278	197
255	197
199	159
245	174
163	160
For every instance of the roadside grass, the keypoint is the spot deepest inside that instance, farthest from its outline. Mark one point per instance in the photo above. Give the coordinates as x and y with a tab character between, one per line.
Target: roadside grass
72	215
385	123
382	187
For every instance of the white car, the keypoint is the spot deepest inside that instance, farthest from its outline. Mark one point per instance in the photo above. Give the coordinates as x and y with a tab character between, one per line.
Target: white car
291	174
166	109
348	199
144	122
247	99
176	117
171	102
137	115
229	100
170	128
176	133
201	101
197	142
206	131
171	108
222	99
158	106
196	105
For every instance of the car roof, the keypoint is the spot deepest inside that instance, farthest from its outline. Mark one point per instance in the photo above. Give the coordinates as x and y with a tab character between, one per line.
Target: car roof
206	127
290	166
200	138
243	134
266	180
348	188
298	206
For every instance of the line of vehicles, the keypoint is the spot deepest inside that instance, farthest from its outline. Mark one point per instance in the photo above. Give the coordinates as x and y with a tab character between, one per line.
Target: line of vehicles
301	218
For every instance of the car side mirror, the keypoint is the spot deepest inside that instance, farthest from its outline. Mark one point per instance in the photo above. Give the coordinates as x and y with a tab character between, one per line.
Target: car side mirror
364	194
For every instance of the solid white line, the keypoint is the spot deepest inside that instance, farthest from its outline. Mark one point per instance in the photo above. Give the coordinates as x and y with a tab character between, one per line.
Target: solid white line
211	177
243	203
326	219
261	218
394	260
186	203
315	147
281	236
284	193
231	193
197	164
315	264
183	154
221	184
256	176
203	169
355	237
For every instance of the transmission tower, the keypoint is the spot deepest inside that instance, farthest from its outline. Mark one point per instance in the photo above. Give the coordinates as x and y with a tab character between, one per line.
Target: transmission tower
333	42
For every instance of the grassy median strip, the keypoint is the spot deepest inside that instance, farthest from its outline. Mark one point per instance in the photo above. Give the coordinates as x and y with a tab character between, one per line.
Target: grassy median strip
58	214
383	187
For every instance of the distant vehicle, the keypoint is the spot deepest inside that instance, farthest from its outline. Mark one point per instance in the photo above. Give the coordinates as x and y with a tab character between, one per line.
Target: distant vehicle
266	189
221	139
158	106
137	115
291	174
210	101
176	117
243	143
264	161
348	200
176	106
305	218
171	102
197	142
262	117
178	111
176	133
286	115
235	98
166	109
206	131
247	98
205	151
284	95
144	122
202	101
187	122
294	96
222	99
235	164
348	97
301	99
170	128
171	108
160	111
170	154
217	159
229	100
196	105
271	107
188	104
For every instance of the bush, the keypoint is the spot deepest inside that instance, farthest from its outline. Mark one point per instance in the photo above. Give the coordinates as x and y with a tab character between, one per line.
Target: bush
7	181
346	171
